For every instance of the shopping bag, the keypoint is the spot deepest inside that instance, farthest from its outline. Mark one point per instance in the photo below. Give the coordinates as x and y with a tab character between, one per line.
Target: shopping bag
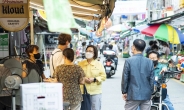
59	16
86	103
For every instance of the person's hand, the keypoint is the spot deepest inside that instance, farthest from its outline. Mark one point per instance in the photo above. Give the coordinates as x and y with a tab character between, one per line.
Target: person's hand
46	80
124	97
91	80
163	70
87	80
51	80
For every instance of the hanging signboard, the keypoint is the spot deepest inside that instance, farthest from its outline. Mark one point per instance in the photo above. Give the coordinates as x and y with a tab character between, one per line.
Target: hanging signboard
14	14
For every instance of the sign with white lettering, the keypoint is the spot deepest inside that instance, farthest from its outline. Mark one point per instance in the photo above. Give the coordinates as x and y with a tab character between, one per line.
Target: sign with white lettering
14	14
130	7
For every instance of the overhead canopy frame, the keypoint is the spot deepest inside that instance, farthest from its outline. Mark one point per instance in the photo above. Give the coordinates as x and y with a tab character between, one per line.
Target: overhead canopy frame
85	9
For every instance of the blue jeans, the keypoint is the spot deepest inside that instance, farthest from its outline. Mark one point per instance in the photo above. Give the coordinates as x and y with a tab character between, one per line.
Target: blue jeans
168	103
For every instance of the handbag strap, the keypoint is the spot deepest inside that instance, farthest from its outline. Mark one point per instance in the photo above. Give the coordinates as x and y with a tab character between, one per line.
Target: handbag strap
85	90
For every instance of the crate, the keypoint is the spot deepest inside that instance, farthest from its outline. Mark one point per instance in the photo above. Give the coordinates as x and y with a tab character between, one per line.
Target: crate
126	55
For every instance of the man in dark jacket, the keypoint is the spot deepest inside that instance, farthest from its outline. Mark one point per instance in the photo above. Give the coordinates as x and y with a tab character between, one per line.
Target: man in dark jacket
138	79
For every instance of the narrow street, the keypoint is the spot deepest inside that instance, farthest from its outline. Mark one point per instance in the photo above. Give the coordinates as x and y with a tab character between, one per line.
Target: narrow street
112	98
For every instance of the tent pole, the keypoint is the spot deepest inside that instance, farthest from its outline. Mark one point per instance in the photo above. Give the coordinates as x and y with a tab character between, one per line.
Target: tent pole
31	26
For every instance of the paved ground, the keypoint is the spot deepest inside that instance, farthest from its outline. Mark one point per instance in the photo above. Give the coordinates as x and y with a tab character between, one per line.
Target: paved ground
112	98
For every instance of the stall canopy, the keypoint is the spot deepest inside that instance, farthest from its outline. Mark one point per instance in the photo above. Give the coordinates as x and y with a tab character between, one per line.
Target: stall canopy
84	9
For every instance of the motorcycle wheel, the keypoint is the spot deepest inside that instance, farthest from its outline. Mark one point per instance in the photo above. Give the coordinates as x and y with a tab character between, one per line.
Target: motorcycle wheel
108	75
153	108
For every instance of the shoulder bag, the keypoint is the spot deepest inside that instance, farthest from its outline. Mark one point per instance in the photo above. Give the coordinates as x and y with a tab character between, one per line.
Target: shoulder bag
86	103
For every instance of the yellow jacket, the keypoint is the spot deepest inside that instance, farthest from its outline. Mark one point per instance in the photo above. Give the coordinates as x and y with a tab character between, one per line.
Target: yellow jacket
93	70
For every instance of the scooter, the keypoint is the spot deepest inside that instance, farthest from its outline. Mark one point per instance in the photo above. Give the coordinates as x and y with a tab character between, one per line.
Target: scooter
109	63
160	91
110	67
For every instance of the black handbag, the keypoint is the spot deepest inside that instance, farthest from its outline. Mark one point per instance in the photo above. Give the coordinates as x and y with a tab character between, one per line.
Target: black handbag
86	103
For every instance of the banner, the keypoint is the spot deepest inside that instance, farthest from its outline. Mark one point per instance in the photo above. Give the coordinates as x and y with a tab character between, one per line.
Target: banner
59	16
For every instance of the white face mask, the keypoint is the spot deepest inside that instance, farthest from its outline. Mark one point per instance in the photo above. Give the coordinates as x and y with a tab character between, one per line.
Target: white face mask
89	55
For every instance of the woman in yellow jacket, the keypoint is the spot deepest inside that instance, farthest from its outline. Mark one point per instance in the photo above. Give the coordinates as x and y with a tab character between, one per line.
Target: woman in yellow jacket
95	75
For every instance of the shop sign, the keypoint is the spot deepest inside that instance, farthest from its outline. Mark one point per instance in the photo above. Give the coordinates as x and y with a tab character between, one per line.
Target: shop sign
14	14
51	38
4	45
130	7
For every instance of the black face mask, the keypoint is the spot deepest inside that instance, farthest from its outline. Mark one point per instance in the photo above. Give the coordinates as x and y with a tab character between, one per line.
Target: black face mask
37	56
155	62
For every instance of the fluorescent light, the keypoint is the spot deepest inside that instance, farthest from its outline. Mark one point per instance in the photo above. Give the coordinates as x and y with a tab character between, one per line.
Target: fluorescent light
83	7
36	4
82	18
82	13
37	8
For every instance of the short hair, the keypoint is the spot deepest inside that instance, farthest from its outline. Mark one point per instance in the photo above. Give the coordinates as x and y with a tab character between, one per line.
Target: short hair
83	43
139	44
110	47
165	44
153	52
95	51
155	47
151	42
63	38
69	54
31	48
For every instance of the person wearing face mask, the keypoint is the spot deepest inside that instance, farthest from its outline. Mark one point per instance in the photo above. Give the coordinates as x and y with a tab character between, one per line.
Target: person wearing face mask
33	62
56	57
94	76
158	70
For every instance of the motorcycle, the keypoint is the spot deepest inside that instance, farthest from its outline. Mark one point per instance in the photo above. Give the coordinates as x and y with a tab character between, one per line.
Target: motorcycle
109	66
160	91
109	63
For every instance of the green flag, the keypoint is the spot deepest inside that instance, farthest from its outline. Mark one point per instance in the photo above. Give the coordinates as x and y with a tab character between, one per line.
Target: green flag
59	16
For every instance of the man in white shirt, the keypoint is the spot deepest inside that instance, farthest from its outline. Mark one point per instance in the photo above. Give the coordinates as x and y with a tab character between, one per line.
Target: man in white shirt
56	58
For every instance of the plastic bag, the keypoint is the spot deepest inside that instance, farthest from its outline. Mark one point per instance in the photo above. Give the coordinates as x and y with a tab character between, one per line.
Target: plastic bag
59	16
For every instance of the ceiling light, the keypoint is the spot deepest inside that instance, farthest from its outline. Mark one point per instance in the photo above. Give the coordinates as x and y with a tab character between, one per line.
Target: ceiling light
83	13
37	8
83	7
35	4
82	18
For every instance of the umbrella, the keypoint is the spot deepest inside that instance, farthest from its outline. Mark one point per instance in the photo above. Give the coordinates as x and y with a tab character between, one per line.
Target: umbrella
139	28
162	32
118	27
